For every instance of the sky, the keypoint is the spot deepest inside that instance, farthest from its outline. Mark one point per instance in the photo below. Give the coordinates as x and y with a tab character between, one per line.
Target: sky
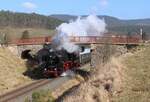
123	9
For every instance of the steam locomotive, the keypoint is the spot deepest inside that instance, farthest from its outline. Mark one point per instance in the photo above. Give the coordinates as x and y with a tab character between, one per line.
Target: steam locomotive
53	63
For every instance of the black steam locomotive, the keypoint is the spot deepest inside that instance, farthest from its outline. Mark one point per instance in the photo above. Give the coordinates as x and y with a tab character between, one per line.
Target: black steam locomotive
53	63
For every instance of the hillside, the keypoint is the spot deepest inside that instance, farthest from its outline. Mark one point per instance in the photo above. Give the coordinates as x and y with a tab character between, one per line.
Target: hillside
42	23
24	20
112	21
11	71
115	24
64	17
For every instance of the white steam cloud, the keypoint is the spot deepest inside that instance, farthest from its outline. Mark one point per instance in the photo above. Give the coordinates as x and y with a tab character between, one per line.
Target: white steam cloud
61	41
87	26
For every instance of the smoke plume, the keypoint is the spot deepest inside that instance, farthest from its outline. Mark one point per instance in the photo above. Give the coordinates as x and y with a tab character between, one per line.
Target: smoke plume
61	40
85	26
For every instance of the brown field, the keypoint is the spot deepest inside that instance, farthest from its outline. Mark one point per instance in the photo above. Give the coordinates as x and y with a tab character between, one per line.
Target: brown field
33	32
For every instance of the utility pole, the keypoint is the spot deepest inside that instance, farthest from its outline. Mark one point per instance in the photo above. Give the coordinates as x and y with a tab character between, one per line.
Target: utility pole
141	32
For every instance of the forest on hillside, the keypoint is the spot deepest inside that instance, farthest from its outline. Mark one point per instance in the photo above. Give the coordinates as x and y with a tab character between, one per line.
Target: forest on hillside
17	20
115	25
24	20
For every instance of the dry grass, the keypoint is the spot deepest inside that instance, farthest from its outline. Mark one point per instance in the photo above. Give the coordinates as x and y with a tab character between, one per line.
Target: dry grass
103	83
122	79
100	87
11	71
86	92
33	32
136	86
59	91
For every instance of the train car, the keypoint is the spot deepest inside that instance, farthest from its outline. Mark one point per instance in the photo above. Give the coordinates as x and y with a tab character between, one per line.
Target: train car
85	56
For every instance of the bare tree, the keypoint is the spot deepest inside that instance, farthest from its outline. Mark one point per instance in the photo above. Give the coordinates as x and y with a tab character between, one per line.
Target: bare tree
5	39
25	34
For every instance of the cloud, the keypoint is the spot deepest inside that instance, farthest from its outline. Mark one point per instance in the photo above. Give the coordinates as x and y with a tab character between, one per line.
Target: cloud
104	3
29	5
101	5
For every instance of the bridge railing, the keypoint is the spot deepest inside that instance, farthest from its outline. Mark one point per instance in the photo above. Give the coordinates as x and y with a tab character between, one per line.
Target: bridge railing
81	39
106	39
89	39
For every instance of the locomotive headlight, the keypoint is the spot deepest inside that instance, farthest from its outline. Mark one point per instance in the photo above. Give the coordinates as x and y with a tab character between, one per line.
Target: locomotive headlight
55	69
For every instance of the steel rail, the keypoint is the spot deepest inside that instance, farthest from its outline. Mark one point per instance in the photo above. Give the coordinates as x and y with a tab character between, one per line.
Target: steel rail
22	90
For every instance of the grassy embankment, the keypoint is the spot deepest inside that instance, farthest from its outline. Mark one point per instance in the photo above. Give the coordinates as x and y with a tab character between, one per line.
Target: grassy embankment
136	86
11	71
123	79
41	96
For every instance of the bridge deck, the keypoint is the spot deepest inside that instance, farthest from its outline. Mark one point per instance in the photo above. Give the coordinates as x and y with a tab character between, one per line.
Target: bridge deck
81	40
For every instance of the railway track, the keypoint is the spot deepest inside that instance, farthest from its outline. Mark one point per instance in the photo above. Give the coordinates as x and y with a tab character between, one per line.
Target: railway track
19	94
21	90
